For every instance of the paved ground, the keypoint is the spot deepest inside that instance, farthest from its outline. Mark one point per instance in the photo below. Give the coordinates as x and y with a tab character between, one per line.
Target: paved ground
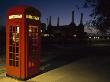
86	70
91	69
73	64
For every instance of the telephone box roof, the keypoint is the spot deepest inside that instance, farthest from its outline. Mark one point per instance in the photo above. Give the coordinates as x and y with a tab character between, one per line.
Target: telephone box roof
23	8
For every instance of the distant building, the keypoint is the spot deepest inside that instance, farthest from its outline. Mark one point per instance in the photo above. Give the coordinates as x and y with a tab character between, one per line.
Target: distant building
70	31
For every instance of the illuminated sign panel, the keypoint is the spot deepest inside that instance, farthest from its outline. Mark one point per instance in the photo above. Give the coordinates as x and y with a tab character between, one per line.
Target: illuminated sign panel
32	17
27	16
15	16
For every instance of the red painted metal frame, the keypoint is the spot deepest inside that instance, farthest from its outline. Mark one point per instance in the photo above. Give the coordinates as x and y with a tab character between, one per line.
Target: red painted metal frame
23	71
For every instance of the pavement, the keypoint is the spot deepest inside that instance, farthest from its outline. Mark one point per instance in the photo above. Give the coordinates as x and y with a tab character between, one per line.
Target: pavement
91	69
74	64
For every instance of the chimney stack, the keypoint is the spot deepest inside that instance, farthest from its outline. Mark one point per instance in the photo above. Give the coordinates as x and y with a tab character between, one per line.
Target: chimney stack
50	21
72	16
47	23
81	20
58	21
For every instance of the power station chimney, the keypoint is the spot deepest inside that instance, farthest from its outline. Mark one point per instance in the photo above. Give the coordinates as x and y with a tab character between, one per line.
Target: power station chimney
58	21
81	20
47	23
72	16
50	22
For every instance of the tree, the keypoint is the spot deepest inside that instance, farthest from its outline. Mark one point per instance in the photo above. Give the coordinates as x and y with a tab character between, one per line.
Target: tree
100	14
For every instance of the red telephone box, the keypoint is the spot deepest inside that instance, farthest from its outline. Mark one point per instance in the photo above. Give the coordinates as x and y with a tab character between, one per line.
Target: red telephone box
23	43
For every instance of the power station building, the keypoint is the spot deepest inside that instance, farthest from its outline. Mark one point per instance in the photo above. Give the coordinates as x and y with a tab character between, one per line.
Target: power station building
70	31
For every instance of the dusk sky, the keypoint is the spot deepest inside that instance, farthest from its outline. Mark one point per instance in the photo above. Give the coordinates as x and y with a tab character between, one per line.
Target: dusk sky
54	8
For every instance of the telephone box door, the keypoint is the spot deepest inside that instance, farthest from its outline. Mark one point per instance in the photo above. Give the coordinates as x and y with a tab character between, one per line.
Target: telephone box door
14	54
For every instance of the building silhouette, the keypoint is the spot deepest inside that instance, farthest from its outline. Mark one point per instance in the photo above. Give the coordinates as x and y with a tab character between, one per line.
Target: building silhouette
70	31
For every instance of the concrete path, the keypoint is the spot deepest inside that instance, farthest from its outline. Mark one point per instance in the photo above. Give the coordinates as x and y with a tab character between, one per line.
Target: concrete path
87	70
92	69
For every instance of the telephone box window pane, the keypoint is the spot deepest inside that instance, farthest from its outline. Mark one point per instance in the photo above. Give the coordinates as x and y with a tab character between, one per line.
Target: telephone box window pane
16	54
17	58
11	49
10	35
17	49
17	43
34	30
34	47
11	55
17	37
14	29
32	35
14	37
35	41
30	29
17	29
11	42
17	34
10	29
13	63
36	35
17	63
